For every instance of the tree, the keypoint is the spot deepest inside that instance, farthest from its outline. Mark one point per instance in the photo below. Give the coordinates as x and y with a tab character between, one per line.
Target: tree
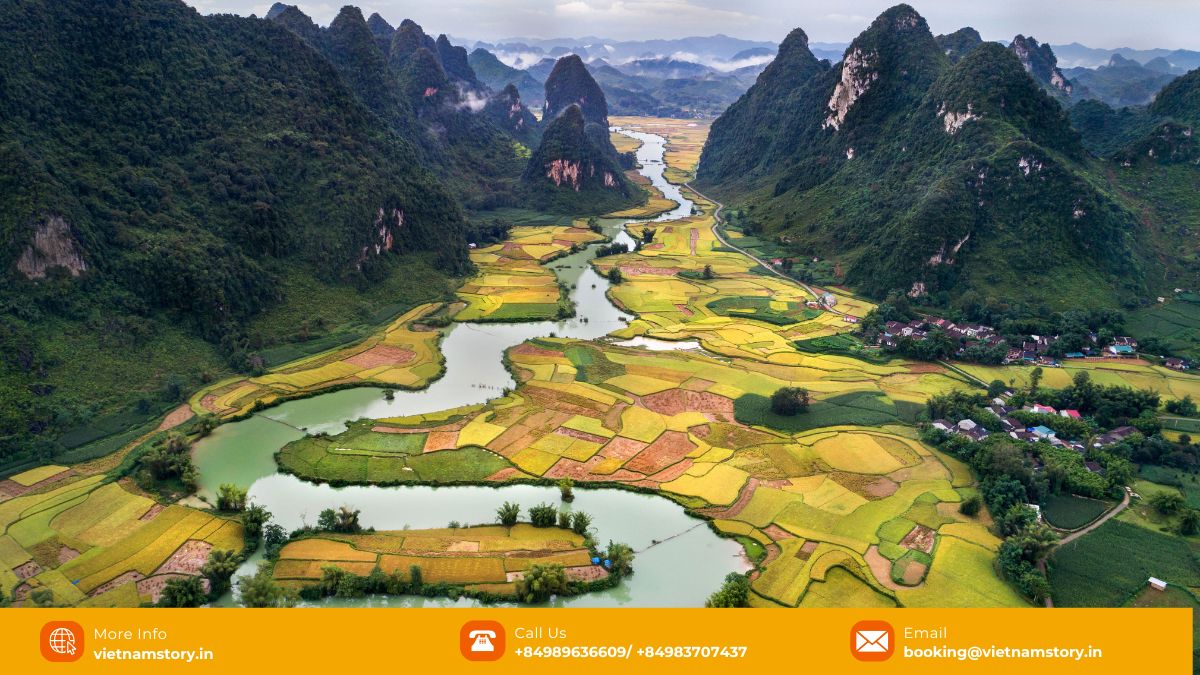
219	568
327	520
565	488
1035	378
1015	519
995	388
260	590
1167	503
183	592
614	275
230	497
971	506
708	273
541	582
274	537
1185	406
648	235
1189	522
416	580
347	520
789	401
508	513
253	519
620	559
580	522
735	592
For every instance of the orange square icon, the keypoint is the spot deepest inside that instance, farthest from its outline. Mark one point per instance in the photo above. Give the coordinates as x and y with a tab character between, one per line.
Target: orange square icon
481	640
62	641
872	641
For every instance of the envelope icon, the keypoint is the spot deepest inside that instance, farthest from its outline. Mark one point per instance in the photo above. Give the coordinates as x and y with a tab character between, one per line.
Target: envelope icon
871	641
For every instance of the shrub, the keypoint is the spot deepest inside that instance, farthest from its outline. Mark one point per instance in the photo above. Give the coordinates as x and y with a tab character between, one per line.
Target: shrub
543	515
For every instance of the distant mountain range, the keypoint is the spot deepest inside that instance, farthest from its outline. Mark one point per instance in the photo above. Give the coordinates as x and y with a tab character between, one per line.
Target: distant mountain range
702	76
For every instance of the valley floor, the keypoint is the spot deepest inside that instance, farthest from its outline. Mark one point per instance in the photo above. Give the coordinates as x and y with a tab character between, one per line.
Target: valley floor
844	504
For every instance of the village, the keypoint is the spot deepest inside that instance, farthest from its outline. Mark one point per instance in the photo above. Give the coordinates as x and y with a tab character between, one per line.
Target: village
1039	433
1034	350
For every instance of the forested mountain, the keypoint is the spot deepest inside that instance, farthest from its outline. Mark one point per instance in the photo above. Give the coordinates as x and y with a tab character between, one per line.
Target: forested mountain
576	168
925	176
569	172
168	178
1161	133
957	44
426	90
495	74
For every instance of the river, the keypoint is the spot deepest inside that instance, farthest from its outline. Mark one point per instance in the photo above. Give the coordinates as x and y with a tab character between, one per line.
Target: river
679	562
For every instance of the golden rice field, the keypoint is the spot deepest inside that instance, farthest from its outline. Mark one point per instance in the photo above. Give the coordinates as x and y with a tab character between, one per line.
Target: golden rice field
512	284
97	544
685	141
489	557
403	355
1129	373
674	422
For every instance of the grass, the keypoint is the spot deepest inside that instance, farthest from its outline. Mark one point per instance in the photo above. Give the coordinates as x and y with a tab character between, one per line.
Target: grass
1069	512
1106	567
1187	483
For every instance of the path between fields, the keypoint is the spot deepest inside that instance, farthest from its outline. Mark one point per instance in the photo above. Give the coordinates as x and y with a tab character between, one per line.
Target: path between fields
1079	533
717	233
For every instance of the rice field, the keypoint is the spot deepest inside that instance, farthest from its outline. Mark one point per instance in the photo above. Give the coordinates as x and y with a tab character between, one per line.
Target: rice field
601	413
488	555
512	283
1122	372
404	355
96	544
685	140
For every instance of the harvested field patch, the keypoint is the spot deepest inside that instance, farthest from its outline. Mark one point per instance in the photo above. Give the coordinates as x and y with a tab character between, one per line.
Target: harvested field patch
669	448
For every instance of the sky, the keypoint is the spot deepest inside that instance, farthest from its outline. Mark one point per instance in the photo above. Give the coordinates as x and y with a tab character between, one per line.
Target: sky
1140	24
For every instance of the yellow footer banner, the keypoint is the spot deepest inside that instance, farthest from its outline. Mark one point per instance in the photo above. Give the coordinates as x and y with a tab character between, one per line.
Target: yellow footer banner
531	641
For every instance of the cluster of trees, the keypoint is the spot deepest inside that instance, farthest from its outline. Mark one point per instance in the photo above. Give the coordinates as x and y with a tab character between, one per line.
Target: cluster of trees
170	460
734	592
547	515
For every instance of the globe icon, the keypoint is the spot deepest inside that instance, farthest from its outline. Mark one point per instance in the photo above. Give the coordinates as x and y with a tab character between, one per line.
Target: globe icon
62	641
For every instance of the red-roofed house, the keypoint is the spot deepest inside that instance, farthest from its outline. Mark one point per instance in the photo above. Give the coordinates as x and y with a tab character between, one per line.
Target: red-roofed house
1073	414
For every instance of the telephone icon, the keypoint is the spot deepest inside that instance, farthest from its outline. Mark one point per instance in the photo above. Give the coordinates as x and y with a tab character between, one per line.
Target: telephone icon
483	640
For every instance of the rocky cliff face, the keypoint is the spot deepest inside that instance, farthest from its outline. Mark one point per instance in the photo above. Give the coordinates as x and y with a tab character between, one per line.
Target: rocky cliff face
1041	63
52	245
569	172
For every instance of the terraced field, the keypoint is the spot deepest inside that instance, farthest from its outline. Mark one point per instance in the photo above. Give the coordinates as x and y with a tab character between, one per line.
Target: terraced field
404	355
666	422
96	544
513	283
487	558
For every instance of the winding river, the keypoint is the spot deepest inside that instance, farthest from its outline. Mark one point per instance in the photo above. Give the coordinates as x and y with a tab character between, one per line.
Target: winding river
679	562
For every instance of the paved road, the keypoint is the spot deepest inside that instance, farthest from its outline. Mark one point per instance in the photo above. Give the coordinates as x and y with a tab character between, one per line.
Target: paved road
769	267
